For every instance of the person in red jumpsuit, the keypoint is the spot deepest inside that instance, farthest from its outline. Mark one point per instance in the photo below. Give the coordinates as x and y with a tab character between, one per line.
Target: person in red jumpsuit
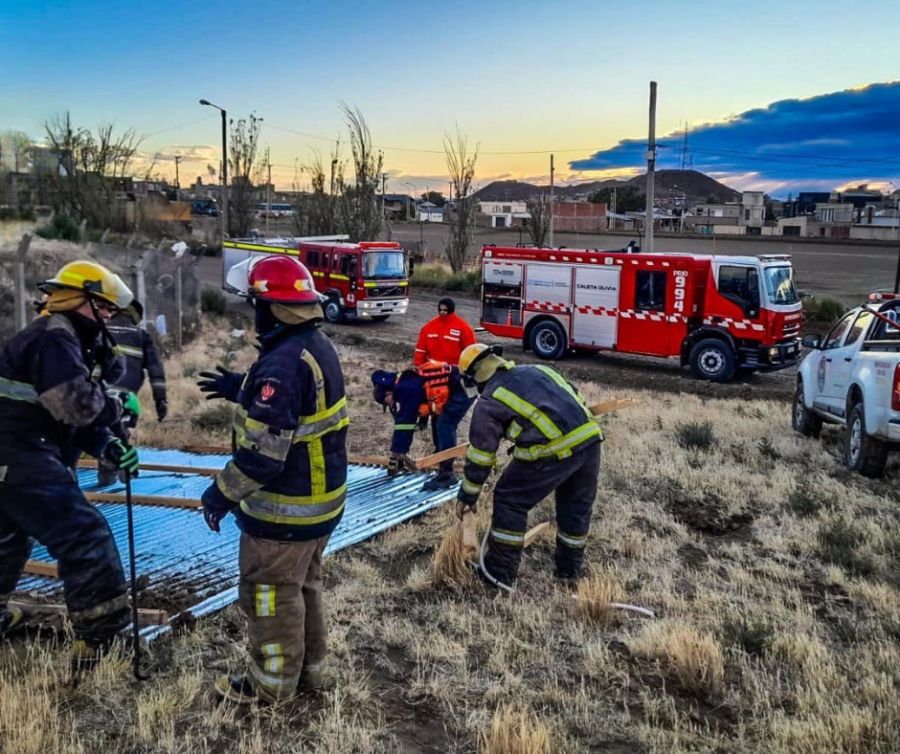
444	337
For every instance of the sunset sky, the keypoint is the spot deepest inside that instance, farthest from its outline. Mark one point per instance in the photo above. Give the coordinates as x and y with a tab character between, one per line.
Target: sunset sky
776	96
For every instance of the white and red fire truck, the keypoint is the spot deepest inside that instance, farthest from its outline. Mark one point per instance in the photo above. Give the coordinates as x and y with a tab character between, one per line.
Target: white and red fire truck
364	280
717	313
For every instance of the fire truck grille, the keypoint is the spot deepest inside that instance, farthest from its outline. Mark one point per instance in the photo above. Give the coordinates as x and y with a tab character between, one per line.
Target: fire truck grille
386	291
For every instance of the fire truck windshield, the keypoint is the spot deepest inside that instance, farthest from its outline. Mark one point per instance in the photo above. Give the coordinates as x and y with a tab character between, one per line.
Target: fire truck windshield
780	285
383	264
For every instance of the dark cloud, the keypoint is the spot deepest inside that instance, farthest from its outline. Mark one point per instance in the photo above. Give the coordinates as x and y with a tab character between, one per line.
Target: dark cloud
821	142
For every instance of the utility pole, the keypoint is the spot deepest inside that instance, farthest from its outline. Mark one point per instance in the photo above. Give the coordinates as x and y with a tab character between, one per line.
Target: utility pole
551	201
177	182
651	168
268	191
383	205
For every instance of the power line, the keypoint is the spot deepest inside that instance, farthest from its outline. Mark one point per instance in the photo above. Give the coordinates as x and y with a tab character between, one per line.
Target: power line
182	125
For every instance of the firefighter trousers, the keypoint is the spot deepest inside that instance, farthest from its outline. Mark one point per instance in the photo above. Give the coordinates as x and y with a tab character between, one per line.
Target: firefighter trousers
281	595
444	426
79	538
523	485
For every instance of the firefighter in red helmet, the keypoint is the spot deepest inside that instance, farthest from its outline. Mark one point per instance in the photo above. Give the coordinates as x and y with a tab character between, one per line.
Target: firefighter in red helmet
286	482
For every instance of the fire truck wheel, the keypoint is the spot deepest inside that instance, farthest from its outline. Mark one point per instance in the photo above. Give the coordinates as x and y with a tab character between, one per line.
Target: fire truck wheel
803	420
712	359
548	340
333	311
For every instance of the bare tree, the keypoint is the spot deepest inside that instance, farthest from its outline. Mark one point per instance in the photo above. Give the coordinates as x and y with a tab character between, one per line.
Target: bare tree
461	166
91	170
539	223
359	212
317	209
246	171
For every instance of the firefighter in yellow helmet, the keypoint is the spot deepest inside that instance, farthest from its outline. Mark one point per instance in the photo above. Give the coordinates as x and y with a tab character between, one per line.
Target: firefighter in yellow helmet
51	411
557	449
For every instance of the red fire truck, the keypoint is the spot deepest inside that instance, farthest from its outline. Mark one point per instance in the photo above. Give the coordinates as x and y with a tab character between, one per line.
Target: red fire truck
364	280
717	313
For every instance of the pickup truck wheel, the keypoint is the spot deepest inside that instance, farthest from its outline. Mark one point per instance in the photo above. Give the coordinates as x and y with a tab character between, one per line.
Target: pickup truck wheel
803	420
548	340
863	453
333	311
712	359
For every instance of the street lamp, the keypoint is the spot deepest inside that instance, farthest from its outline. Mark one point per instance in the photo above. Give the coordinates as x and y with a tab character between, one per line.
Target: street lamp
413	197
224	165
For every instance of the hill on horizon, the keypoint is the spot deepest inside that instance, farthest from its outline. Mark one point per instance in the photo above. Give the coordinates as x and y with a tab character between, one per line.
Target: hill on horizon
696	186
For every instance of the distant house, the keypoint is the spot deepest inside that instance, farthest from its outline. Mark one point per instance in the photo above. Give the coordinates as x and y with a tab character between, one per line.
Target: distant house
398	206
428	212
505	214
746	217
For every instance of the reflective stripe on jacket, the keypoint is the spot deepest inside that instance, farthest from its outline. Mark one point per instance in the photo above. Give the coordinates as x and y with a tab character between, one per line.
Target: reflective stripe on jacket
443	339
289	470
535	408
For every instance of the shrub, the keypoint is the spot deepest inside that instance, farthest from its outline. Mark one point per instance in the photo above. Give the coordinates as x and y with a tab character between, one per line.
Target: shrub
750	633
217	418
808	498
515	731
695	435
826	310
62	227
440	276
212	300
842	543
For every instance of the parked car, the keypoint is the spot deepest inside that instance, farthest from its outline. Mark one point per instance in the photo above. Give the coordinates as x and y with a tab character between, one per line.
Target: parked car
851	377
206	207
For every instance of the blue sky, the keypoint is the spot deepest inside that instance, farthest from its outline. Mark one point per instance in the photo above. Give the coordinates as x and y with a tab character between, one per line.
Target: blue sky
520	78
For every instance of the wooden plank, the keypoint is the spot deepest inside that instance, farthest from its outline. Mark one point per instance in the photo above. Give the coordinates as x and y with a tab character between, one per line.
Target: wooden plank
162	502
42	568
535	532
369	460
445	455
146	616
198	470
208	449
605	407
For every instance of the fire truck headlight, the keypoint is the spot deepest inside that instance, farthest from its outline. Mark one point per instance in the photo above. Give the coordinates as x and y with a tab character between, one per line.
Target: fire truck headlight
774	353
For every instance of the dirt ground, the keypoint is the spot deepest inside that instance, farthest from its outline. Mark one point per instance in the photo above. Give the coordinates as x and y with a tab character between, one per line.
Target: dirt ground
772	573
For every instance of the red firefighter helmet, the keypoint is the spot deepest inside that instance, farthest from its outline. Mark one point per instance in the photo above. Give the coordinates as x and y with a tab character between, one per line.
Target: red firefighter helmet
282	280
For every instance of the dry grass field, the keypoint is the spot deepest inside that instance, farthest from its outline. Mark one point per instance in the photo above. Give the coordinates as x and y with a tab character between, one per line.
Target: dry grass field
774	576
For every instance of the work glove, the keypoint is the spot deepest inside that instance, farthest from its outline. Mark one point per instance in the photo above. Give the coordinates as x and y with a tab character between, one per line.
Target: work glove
225	384
462	507
121	455
162	408
130	403
215	506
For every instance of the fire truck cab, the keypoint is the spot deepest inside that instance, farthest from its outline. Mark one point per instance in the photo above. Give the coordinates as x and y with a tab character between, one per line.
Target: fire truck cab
363	280
717	314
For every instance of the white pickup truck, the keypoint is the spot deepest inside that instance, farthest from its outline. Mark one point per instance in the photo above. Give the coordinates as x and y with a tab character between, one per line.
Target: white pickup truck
851	377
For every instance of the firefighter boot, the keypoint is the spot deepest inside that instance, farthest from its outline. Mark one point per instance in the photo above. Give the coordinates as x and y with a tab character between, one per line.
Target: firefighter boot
237	689
86	655
444	480
313	679
11	619
569	562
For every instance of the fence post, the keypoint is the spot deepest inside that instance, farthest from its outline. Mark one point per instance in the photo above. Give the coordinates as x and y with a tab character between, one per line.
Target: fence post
20	296
179	305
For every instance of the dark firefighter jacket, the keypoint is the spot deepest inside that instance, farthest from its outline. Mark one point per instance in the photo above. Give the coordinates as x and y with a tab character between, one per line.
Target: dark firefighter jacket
409	395
136	348
535	408
50	409
289	469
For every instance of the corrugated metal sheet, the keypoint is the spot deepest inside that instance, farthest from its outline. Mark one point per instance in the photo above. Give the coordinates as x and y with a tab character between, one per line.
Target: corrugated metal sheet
186	564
